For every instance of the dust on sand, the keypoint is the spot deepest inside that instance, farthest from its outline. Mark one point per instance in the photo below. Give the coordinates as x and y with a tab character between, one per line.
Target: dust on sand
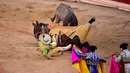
18	47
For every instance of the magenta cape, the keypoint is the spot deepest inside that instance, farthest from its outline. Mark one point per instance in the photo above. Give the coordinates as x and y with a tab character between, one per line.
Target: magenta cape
114	67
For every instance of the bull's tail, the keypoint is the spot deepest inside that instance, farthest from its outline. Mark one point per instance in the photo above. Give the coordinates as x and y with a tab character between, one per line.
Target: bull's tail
52	19
91	20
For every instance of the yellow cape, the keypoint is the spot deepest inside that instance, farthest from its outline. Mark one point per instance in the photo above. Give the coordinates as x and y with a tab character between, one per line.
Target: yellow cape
82	68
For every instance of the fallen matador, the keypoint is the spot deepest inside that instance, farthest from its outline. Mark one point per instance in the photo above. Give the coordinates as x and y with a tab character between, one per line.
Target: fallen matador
49	48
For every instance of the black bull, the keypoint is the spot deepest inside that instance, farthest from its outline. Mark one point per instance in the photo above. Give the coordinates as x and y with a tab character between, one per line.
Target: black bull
65	14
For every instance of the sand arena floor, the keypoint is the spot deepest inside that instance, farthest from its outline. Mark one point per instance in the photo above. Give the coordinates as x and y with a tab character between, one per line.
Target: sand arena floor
18	47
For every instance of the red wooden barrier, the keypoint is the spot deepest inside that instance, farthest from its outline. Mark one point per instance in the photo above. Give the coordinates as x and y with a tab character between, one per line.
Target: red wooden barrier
123	1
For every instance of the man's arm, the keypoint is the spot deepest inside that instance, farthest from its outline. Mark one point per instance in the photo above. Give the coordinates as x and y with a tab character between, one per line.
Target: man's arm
117	58
101	59
120	56
78	53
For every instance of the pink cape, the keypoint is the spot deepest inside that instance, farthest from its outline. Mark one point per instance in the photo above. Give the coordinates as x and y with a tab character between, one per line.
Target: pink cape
78	62
75	58
114	67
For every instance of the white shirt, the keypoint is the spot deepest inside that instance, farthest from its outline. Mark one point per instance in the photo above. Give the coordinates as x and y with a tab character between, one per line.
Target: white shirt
125	55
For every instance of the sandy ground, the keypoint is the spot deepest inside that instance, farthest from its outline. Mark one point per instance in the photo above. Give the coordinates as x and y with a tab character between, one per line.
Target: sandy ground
18	47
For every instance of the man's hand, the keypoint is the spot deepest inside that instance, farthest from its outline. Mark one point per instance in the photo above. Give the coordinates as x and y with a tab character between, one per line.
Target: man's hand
116	54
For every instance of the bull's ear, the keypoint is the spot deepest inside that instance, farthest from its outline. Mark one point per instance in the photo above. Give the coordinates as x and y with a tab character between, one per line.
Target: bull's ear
33	24
37	22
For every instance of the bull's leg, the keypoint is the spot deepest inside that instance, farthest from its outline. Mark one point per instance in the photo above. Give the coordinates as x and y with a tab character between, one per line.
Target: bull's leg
57	20
52	19
65	23
73	21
